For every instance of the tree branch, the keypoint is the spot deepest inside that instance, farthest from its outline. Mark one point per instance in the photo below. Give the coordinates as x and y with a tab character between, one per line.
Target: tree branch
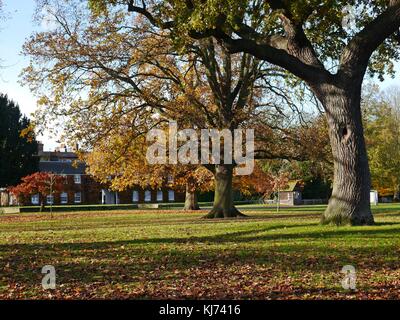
356	55
279	57
143	11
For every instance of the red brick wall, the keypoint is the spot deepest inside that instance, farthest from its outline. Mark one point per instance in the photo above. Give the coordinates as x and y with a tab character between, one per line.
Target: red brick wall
91	193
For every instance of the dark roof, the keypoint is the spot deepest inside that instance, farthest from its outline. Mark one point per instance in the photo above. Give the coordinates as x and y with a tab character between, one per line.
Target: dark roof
58	154
62	167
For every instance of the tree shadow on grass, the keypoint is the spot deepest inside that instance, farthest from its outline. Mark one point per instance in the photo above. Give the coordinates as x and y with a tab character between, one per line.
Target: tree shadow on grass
138	260
386	223
149	221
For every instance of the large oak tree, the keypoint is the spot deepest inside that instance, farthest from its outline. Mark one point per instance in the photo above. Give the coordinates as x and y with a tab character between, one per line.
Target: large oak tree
310	40
107	77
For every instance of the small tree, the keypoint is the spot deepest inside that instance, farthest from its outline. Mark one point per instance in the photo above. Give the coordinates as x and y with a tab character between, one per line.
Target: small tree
123	157
193	179
41	183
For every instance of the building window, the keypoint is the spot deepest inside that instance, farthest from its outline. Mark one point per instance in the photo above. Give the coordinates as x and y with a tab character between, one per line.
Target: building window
160	195
171	195
77	179
78	197
135	196
64	198
50	199
35	199
147	196
170	179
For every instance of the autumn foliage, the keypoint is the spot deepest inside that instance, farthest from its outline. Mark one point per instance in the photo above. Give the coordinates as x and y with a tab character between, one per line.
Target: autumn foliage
137	80
262	181
41	183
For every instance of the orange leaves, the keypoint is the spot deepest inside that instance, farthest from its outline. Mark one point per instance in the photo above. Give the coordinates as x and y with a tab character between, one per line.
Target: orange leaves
38	183
195	178
258	182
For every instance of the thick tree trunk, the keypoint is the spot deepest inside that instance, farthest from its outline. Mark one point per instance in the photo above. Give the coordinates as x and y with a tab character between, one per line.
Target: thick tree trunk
223	198
190	200
350	201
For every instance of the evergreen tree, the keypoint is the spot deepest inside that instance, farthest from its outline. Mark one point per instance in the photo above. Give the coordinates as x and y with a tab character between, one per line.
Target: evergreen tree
16	151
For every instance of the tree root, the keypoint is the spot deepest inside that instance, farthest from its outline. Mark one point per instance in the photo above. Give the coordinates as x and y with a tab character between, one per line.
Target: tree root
336	215
220	213
191	208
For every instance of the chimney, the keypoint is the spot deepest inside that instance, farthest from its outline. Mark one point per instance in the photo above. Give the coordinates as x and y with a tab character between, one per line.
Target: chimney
40	147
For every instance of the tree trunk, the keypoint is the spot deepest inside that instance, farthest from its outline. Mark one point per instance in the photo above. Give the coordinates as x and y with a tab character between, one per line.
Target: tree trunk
42	206
223	197
350	201
396	196
190	199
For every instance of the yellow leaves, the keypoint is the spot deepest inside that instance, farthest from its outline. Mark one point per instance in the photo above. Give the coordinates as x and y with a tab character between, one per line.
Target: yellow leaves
382	131
106	79
43	101
100	7
28	132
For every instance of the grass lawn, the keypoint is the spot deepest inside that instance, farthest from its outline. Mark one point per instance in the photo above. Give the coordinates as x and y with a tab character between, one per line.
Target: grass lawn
175	255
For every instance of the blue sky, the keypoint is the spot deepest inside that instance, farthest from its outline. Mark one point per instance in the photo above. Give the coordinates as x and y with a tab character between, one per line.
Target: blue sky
18	26
13	32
